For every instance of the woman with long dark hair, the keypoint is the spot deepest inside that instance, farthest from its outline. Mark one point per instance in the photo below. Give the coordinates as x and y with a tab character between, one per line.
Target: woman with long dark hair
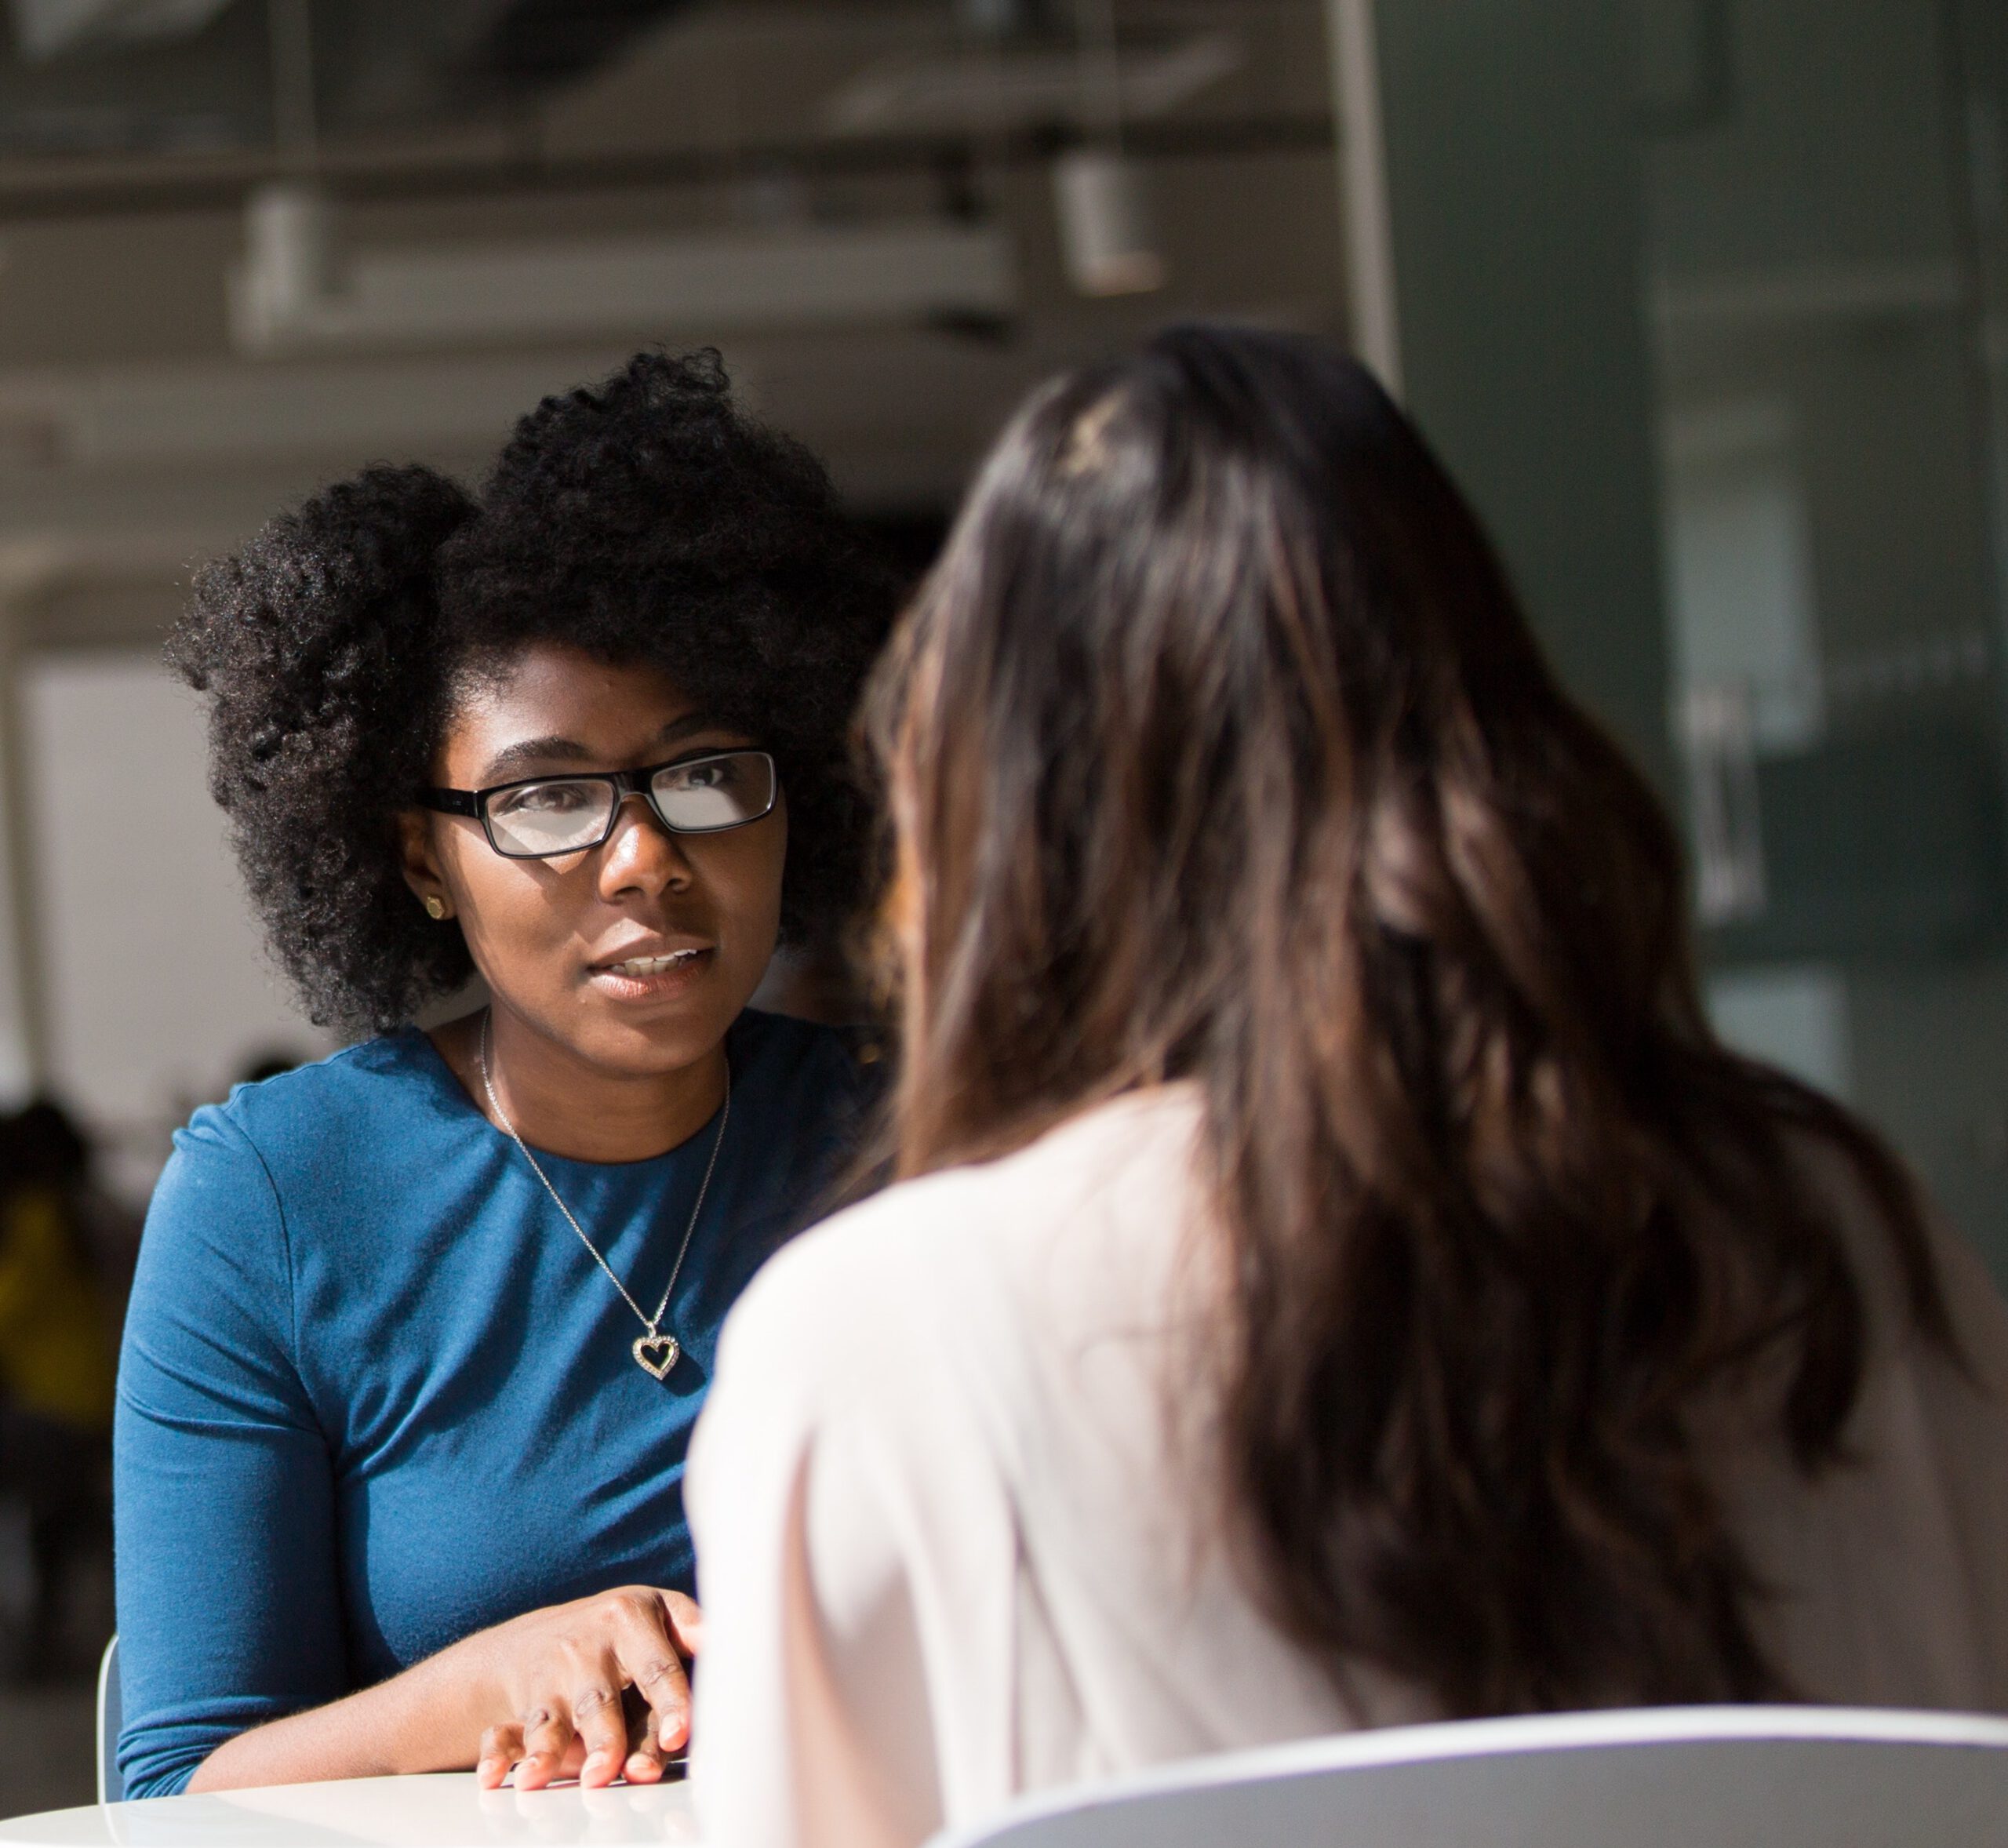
1337	1275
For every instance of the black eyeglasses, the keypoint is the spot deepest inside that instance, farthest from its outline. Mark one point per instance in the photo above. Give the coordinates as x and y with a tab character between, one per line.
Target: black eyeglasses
543	815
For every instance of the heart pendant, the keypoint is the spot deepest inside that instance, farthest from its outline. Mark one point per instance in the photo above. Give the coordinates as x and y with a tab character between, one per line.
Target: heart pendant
656	1354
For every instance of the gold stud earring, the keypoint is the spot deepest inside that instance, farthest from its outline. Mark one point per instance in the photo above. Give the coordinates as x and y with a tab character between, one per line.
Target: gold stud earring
435	908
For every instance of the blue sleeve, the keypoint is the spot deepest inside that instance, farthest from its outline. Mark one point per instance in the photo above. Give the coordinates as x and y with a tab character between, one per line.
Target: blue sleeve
229	1606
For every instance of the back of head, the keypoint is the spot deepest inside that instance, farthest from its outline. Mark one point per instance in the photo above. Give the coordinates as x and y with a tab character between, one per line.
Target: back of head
1229	757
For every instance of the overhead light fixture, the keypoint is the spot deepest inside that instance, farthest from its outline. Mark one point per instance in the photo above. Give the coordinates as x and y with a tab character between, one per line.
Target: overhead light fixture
293	293
288	276
1107	233
923	271
999	19
48	28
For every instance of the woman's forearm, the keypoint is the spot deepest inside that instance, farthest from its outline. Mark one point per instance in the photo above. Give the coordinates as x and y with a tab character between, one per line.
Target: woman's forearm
545	1689
428	1718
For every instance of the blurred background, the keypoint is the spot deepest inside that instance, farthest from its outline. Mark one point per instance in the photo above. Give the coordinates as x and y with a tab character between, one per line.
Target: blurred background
1705	301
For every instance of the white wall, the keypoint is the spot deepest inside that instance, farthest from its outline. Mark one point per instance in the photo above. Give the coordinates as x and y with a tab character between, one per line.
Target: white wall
158	992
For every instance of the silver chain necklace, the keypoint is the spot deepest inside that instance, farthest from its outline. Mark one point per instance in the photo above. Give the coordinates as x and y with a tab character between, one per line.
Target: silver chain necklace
655	1352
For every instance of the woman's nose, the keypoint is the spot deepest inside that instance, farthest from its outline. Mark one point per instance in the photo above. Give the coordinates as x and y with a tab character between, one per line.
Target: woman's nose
641	854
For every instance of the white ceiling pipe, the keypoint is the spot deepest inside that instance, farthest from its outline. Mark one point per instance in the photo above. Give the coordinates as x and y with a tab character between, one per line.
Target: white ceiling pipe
1033	89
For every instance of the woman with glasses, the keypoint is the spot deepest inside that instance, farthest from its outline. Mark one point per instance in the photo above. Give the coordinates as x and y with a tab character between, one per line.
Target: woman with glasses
1336	1277
420	1331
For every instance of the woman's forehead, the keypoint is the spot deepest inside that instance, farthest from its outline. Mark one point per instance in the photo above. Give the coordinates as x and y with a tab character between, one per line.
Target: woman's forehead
561	705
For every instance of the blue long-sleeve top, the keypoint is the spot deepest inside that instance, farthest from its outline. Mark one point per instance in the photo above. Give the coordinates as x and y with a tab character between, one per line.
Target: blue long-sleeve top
374	1394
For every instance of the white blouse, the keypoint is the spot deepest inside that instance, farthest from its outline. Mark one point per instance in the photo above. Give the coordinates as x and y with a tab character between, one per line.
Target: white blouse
959	1535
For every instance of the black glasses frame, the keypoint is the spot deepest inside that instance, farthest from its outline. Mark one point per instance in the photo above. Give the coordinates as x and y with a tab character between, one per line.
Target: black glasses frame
624	782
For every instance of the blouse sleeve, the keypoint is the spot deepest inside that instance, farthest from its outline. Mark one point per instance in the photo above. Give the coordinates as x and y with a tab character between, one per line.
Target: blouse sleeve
229	1609
856	1555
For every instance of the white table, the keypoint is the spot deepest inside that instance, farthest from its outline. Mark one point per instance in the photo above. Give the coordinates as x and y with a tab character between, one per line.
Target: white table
448	1811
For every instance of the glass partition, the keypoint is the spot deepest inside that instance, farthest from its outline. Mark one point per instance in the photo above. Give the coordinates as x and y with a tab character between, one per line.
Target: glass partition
1825	187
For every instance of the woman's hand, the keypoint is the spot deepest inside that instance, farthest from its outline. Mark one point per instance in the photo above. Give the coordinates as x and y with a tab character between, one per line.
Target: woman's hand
543	1692
561	1674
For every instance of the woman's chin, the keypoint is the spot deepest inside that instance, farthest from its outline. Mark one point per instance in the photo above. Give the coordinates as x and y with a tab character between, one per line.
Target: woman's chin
651	1026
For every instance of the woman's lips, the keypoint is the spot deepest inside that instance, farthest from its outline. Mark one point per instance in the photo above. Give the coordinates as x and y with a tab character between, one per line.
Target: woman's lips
641	965
650	978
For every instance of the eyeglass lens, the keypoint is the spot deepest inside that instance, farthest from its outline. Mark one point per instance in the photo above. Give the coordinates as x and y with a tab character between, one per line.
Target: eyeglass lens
715	792
568	813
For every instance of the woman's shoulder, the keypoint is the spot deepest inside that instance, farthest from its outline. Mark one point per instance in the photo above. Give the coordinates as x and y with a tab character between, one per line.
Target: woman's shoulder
1106	1185
359	1103
250	1176
807	1092
381	1072
1860	1222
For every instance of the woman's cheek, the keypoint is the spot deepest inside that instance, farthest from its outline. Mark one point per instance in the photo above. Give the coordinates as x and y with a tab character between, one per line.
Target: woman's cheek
756	898
520	933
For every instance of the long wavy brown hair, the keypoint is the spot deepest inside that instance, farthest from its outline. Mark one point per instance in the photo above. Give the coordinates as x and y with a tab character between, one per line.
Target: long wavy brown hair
1220	750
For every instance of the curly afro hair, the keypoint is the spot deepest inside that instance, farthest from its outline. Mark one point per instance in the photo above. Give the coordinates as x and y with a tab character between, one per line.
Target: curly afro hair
643	520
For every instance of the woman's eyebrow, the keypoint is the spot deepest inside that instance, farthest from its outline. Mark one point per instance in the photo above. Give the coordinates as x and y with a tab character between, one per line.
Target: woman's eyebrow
534	754
687	726
527	752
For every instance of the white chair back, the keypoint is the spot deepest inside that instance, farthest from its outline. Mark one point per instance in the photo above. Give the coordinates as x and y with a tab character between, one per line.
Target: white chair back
111	1717
1662	1777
